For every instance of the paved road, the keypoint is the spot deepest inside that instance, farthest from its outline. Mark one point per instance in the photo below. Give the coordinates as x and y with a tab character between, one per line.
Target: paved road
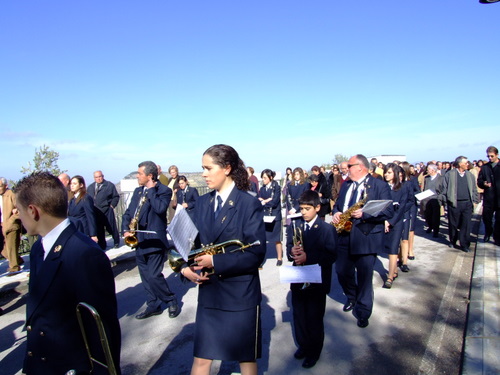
417	327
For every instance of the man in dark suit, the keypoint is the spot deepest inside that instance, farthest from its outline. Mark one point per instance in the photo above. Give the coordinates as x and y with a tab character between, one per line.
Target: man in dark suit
489	180
106	198
67	268
148	208
432	205
459	188
357	250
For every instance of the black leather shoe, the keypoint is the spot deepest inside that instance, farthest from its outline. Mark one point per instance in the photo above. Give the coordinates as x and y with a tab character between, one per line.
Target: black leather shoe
411	257
309	362
429	230
452	245
405	268
362	323
466	249
148	314
486	238
116	246
299	354
349	305
279	262
173	310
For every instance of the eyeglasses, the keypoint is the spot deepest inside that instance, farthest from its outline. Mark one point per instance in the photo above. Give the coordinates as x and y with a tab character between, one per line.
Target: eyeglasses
491	156
351	165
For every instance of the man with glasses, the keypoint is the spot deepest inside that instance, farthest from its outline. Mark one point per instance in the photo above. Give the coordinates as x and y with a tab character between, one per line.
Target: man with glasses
489	180
357	248
459	188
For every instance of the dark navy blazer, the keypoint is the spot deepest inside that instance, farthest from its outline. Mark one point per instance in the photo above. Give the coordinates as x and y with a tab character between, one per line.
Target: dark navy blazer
367	234
82	215
75	270
235	285
273	207
320	246
107	195
190	198
153	216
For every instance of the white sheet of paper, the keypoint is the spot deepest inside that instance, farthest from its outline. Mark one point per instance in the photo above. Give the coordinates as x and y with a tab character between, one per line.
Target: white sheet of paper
425	194
182	231
301	274
269	219
294	216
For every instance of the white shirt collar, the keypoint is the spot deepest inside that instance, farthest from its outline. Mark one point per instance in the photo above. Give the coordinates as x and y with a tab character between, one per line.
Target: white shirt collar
311	223
50	238
225	194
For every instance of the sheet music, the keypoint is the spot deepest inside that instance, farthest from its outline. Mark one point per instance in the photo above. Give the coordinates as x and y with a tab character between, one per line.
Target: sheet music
425	194
300	274
375	207
182	231
269	219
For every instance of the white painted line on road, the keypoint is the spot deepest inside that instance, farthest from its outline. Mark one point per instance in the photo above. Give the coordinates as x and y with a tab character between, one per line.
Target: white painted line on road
428	363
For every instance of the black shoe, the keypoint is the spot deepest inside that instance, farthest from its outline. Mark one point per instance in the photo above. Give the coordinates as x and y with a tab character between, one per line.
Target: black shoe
363	323
349	305
147	314
411	257
1	311
486	238
429	230
279	262
452	245
173	310
466	249
309	362
299	354
117	245
405	268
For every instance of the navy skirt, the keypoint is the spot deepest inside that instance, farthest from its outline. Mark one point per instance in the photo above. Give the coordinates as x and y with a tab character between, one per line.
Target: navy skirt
393	238
273	230
228	335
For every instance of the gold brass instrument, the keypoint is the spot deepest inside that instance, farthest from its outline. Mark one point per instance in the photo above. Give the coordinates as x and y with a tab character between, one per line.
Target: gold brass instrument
109	365
132	240
297	241
345	222
176	261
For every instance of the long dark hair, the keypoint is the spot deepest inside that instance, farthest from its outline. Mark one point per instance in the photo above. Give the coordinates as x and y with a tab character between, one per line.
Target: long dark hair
223	156
83	189
396	170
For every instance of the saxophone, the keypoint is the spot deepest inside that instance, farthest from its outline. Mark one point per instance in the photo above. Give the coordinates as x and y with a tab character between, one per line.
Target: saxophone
345	220
132	240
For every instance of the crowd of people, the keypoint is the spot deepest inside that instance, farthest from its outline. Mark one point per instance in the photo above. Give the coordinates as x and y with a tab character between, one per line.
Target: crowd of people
357	211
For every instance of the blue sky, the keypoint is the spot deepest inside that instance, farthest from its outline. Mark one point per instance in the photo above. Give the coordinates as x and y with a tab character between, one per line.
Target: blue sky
109	84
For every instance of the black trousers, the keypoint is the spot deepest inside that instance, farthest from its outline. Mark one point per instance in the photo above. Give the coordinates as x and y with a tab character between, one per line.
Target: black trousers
106	222
433	215
459	222
308	312
355	275
150	269
489	227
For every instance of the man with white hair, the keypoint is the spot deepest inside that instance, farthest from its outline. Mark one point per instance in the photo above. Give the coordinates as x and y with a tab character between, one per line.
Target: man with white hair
460	190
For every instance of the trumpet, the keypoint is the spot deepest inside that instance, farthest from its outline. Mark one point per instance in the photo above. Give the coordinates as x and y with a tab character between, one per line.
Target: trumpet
176	261
297	241
109	365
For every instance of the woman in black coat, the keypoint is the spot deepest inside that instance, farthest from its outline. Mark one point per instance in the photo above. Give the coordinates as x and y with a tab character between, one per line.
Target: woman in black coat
81	208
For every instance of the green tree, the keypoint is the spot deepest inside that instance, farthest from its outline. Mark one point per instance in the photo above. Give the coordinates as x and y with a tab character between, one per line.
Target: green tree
339	158
45	159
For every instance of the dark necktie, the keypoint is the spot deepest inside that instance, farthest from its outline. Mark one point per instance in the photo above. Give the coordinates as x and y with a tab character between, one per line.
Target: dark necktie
307	227
354	194
219	206
38	259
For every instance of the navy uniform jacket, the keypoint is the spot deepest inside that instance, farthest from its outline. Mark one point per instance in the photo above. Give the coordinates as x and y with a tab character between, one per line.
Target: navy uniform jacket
190	197
320	246
82	215
273	207
294	193
153	216
235	286
107	195
400	204
367	234
75	270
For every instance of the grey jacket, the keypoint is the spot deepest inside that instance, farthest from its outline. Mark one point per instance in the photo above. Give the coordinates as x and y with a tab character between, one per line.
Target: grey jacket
450	187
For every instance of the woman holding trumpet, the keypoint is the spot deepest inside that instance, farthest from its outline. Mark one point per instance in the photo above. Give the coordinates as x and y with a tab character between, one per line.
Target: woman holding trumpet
228	313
